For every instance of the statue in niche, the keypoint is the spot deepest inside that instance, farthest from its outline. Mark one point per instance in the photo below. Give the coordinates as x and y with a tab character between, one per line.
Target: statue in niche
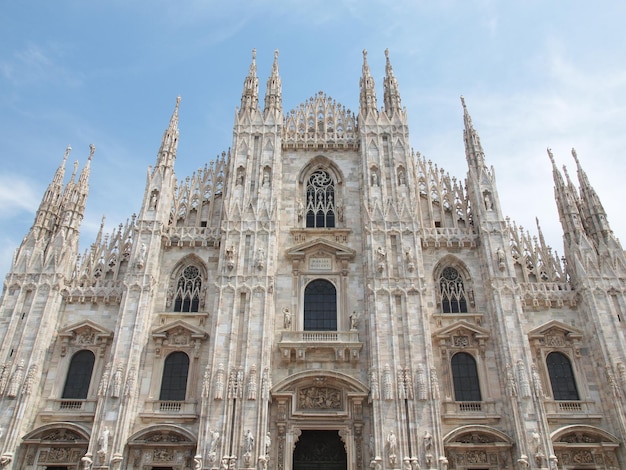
488	201
428	442
300	210
154	198
268	443
286	318
266	177
354	320
401	177
239	180
374	178
392	445
248	441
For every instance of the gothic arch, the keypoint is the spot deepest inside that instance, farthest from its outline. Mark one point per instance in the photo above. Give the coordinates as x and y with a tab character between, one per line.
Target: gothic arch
322	401
55	444
162	446
321	162
185	262
463	296
478	445
587	445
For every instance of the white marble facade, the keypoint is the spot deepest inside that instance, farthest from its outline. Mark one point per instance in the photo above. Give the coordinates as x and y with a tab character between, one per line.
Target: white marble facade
320	294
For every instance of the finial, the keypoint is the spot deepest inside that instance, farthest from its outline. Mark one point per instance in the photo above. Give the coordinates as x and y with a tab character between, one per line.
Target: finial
92	150
387	53
276	54
550	155
254	54
67	152
575	155
463	102
177	100
364	54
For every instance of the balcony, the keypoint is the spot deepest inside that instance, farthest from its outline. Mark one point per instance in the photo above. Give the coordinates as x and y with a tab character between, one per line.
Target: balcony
320	346
68	409
562	411
169	409
470	411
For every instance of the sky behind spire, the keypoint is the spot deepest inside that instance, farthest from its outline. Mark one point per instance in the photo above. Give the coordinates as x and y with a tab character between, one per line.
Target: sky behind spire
534	75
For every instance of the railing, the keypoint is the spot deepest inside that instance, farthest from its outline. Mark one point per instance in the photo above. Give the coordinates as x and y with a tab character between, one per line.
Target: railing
71	404
320	337
296	345
574	408
170	406
475	409
448	236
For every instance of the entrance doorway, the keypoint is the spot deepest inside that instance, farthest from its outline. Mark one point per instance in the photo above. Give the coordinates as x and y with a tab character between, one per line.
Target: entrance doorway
319	450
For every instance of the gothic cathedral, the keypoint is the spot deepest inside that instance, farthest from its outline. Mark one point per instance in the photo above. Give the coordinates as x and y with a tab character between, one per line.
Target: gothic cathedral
317	297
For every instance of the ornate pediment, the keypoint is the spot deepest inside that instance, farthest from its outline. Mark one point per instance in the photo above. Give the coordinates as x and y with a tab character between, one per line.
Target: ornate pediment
461	334
320	255
178	335
84	334
555	334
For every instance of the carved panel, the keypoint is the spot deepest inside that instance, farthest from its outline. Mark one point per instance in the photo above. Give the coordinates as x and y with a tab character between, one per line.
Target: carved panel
319	398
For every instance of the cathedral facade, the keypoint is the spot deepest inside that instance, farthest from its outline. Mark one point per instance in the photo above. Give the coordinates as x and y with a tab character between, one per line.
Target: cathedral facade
317	297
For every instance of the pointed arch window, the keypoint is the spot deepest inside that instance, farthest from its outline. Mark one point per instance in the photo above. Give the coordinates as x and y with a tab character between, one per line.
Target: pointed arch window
174	381
188	290
79	375
320	306
452	291
320	197
561	377
465	378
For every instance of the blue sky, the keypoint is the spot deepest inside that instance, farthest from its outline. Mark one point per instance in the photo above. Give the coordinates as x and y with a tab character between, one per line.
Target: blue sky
535	74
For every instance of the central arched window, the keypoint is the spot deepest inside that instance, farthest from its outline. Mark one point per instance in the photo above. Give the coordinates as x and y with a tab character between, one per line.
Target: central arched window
452	291
561	377
174	382
465	378
188	290
79	375
320	200
320	306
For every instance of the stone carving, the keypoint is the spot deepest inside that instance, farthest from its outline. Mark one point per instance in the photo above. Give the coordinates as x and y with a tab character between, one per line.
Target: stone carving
374	392
400	384
523	380
87	461
85	336
488	201
434	384
501	257
141	257
197	462
116	390
154	199
392	447
422	390
130	382
266	384
252	383
16	380
286	318
213	442
319	398
511	384
206	381
537	385
409	258
103	443
387	383
248	442
259	259
104	381
268	443
219	382
354	320
30	379
230	257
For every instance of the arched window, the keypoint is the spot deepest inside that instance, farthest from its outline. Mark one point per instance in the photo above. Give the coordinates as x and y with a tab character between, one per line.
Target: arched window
452	291
320	200
465	378
320	306
79	375
174	382
188	290
561	377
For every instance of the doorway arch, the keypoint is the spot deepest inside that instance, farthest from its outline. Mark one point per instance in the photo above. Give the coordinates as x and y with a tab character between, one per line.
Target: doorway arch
318	449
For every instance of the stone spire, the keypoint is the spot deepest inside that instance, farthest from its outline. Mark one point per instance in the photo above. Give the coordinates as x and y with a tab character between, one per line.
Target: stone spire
274	90
250	95
473	148
75	195
595	220
368	93
566	201
391	91
49	208
169	144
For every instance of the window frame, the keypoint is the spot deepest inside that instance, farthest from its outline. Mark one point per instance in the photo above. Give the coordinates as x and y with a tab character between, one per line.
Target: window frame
172	371
474	391
85	384
333	326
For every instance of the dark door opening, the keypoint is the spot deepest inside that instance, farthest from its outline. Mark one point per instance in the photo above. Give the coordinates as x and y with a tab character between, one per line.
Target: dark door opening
320	450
